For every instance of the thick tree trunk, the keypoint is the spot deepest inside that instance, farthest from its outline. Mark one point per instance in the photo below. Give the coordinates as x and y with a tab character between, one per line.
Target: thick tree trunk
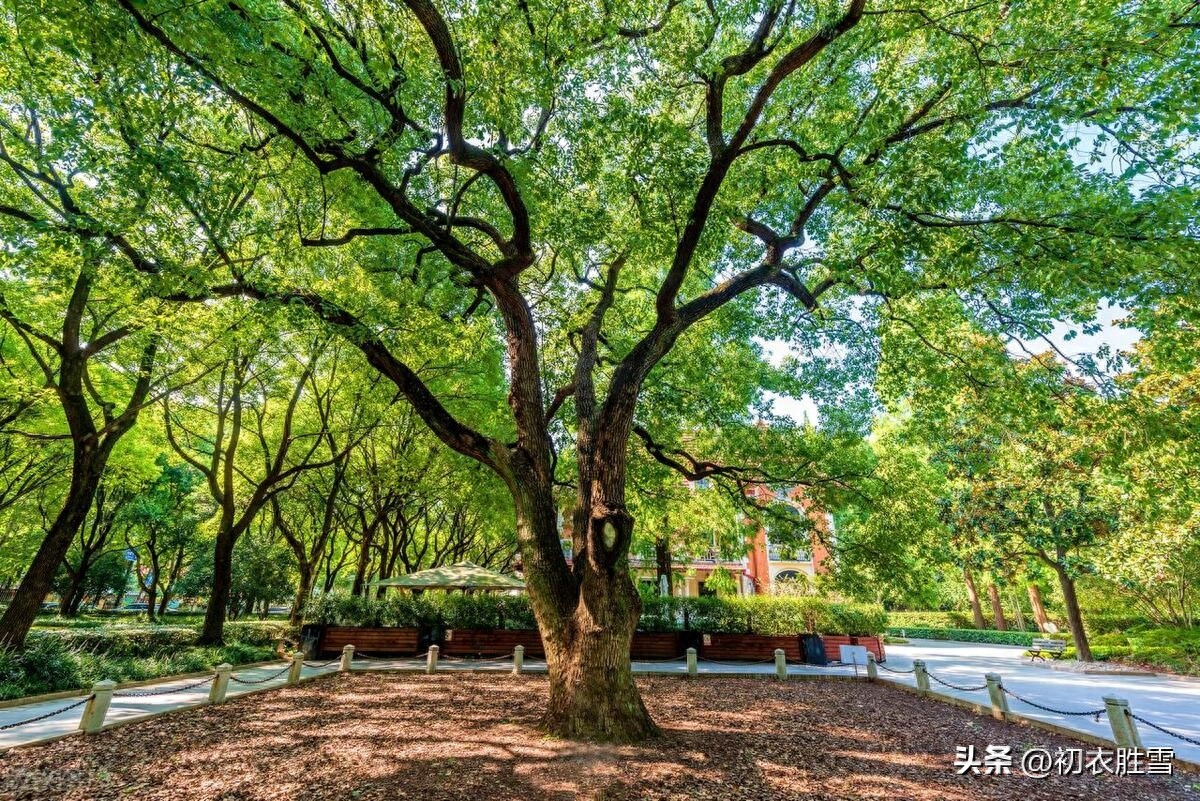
35	586
997	607
1039	610
1083	651
973	597
213	632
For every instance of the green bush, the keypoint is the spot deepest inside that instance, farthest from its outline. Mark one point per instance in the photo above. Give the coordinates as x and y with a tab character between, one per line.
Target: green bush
1024	638
932	620
782	615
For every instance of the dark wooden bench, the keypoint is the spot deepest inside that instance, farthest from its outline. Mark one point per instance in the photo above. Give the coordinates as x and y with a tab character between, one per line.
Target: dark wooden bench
1040	649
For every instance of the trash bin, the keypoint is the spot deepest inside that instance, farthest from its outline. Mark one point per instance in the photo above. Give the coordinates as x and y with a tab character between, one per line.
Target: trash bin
813	649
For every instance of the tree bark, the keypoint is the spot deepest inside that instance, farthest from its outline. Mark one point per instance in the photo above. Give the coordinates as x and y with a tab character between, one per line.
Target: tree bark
90	458
1083	651
1039	611
973	597
997	607
662	558
213	631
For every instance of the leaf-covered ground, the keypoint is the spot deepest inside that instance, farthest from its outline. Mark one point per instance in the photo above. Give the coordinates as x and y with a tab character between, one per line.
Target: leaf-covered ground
370	737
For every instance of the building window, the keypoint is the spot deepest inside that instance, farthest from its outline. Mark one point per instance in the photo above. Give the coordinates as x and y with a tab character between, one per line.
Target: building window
787	575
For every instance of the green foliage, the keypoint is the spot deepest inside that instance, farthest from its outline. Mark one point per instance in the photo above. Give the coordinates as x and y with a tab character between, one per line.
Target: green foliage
931	620
1025	638
1174	649
756	614
53	663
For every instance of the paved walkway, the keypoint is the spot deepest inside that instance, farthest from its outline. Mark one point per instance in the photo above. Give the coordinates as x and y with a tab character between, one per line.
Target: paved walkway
1170	702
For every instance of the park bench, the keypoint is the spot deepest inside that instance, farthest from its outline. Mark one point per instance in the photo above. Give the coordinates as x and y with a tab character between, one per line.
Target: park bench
1040	649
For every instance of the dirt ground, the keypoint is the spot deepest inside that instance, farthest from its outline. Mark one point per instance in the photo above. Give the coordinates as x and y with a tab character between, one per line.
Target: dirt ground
377	736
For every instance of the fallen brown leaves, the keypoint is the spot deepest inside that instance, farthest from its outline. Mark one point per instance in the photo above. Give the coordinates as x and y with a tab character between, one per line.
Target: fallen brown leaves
371	737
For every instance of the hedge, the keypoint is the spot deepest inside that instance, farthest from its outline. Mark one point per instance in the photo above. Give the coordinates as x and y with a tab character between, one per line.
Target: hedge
931	620
748	615
1024	638
132	641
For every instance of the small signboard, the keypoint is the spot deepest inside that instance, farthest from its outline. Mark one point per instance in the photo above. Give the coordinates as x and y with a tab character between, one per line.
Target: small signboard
449	635
708	639
853	654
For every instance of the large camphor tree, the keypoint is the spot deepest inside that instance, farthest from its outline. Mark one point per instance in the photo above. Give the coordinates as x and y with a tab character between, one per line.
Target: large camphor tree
593	189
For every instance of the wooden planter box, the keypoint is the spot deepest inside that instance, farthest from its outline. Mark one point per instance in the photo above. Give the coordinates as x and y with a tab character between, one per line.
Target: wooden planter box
748	647
656	645
832	643
384	641
478	643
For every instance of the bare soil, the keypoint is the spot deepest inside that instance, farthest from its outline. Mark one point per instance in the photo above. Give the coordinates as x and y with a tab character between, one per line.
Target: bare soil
377	736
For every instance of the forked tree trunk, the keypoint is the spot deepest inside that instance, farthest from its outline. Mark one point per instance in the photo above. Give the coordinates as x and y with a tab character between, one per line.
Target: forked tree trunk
973	597
1035	603
592	691
997	607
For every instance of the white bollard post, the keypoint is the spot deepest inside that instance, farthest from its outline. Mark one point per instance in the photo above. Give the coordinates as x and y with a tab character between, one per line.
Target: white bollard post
691	661
297	665
220	685
996	694
780	664
1125	733
94	711
872	670
347	658
922	675
431	663
518	660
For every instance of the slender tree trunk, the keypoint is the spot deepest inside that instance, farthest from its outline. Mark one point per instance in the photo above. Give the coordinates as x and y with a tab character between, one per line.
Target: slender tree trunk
304	589
213	631
1018	613
1039	610
90	458
973	597
1083	651
662	558
364	562
997	607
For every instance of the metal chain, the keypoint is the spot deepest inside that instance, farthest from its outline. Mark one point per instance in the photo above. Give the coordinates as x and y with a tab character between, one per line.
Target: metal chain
1167	732
148	693
893	670
236	680
956	686
1091	713
735	664
323	664
660	661
67	708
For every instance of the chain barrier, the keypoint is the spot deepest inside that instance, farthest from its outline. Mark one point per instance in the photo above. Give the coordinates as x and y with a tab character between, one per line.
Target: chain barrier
273	676
149	693
1167	732
956	686
359	655
736	664
67	708
315	666
661	661
1091	713
899	672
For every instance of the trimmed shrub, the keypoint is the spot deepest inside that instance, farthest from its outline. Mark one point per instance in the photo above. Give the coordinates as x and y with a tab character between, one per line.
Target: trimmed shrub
759	614
1024	638
932	620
